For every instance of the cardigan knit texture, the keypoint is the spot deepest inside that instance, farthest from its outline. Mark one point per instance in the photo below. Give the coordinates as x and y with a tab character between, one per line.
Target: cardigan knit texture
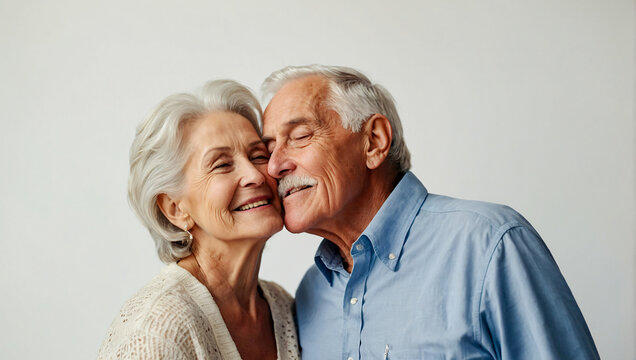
175	317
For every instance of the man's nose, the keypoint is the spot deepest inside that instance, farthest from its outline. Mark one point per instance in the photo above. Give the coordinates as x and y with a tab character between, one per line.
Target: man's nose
280	163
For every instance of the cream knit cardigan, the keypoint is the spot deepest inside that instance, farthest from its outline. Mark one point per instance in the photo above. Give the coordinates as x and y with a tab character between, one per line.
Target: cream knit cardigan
175	317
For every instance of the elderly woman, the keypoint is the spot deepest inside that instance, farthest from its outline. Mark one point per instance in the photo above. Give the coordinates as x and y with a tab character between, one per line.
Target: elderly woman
199	183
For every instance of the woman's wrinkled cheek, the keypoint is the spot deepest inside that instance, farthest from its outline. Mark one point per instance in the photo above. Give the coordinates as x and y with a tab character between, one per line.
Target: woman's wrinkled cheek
216	197
226	217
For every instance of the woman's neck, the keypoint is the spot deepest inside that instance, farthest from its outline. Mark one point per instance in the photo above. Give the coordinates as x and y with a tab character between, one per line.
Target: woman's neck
229	270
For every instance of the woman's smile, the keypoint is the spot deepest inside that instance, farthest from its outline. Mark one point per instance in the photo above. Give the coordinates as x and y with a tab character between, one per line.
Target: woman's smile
226	180
255	203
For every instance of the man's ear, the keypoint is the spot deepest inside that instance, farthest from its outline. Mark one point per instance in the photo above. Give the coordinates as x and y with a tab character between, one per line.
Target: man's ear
379	136
172	211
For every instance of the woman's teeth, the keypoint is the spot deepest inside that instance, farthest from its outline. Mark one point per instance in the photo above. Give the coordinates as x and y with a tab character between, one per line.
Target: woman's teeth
253	205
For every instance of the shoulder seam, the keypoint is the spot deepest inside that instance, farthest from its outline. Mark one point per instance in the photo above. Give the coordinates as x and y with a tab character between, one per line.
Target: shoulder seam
499	234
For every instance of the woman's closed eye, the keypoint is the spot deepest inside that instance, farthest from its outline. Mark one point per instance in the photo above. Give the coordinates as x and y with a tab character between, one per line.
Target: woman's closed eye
221	166
260	158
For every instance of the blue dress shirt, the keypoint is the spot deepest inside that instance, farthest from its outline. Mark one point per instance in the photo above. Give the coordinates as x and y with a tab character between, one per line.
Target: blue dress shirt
440	278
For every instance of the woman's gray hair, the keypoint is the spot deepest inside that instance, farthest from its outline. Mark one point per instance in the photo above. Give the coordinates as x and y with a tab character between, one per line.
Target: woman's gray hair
158	156
354	97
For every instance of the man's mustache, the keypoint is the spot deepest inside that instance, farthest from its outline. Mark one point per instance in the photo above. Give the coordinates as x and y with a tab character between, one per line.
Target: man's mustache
291	182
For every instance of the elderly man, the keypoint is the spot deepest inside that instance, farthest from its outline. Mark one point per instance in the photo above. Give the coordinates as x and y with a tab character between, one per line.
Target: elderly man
401	273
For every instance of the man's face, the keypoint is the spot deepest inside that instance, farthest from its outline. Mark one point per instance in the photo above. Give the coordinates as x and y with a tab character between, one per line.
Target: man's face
319	164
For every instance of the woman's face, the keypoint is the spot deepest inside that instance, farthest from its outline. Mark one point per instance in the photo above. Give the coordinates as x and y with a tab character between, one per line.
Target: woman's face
227	191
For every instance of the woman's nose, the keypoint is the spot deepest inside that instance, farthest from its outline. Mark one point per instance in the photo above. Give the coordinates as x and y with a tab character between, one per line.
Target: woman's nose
251	175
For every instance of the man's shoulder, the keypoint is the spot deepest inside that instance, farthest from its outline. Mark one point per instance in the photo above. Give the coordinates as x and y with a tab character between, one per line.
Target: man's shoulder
491	214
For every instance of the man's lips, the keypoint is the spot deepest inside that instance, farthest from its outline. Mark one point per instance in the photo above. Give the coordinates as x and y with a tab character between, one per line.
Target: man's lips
296	189
254	203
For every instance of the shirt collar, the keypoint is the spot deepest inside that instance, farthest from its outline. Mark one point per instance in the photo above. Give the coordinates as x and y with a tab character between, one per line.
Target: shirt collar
328	259
387	230
389	227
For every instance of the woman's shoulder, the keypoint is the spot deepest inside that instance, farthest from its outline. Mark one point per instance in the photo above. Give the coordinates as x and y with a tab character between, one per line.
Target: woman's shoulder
160	313
165	292
275	292
281	305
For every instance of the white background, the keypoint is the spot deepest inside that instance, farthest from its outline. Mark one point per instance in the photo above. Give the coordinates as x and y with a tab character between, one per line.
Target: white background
528	103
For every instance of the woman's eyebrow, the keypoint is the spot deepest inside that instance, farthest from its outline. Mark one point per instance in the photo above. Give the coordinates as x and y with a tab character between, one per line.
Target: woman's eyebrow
206	154
255	143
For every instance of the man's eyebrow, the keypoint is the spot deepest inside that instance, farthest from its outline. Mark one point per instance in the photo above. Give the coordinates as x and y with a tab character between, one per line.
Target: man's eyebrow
287	125
296	121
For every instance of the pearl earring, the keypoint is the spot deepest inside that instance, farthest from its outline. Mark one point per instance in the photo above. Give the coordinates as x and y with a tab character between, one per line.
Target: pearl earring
189	233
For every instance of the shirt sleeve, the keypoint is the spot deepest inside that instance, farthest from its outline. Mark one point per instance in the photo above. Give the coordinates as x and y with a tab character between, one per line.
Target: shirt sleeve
527	310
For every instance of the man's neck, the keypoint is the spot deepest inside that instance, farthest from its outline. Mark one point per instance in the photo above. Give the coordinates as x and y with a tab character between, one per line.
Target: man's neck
346	226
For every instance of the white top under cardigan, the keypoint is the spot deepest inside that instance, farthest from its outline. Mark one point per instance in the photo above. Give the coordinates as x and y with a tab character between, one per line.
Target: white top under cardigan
175	317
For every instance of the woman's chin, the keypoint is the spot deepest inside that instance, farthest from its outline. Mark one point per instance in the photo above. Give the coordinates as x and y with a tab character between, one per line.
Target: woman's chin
263	227
276	226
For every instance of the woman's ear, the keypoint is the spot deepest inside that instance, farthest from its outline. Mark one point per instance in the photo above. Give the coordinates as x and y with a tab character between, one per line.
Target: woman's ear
172	211
379	136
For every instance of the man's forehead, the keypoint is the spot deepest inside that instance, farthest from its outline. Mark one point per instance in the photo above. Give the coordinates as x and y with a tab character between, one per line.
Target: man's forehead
311	85
298	95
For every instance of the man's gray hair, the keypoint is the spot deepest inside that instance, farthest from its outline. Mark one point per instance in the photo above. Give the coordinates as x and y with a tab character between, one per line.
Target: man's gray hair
158	156
354	97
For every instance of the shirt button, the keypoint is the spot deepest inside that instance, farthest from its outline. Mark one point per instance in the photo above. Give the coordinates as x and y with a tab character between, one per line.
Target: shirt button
360	247
353	301
349	358
392	256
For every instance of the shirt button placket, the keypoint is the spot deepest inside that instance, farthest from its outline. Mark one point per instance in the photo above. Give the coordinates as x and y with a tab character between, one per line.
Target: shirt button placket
353	306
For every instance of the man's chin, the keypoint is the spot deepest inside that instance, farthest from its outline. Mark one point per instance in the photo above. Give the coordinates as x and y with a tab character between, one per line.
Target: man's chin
295	226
